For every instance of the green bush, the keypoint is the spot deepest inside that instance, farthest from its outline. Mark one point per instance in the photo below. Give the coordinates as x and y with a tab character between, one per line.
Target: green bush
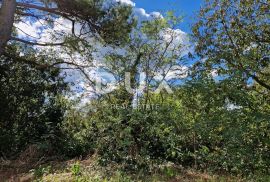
188	128
30	111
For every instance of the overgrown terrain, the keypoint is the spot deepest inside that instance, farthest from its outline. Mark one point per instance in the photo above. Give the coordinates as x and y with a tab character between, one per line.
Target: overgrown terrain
175	107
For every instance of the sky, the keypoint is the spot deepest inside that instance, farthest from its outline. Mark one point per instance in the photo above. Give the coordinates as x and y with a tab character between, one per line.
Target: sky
187	8
142	9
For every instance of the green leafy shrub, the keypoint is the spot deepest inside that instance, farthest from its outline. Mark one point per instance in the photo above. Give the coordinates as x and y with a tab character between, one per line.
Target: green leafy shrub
40	171
76	169
30	111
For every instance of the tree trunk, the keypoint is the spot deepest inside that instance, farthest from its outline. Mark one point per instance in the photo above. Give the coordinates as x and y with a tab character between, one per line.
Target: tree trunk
7	12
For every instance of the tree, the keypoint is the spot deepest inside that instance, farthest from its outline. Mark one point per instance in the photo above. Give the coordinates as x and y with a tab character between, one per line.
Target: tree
232	82
29	107
124	124
89	14
154	56
232	36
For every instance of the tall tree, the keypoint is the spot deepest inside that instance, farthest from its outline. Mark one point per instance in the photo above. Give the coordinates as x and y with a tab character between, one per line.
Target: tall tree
233	38
7	12
29	107
154	55
92	16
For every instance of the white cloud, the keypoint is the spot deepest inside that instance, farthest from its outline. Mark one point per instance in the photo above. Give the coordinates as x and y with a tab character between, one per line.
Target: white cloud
231	106
29	29
179	40
177	72
174	72
109	3
91	61
214	73
39	31
141	15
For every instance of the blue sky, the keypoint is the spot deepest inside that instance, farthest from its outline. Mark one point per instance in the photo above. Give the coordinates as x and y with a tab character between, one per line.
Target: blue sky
183	7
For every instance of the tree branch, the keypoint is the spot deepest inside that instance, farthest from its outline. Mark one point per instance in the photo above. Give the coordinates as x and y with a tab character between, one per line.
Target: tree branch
36	43
260	82
41	8
236	49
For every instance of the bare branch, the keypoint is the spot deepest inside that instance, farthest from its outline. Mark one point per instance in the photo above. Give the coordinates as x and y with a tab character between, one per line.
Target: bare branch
55	11
41	8
26	33
36	43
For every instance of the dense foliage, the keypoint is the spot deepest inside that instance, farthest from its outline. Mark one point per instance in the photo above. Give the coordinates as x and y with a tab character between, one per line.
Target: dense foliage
218	117
232	38
189	128
30	112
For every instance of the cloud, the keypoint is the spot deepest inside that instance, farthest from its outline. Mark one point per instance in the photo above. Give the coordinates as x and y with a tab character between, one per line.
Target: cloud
93	60
231	106
178	39
141	15
170	73
109	3
31	30
40	31
214	73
